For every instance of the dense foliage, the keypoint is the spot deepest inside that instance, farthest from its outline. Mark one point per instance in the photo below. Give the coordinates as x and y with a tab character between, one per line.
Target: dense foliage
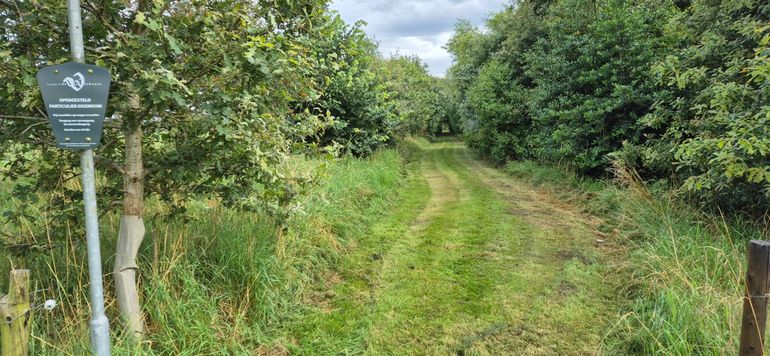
210	100
353	92
177	70
713	117
424	103
676	89
221	93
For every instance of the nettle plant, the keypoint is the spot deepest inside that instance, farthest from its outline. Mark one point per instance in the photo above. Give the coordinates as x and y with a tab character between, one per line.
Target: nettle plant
203	104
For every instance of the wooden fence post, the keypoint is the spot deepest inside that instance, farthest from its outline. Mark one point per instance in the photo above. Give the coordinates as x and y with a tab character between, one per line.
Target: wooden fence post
16	315
755	302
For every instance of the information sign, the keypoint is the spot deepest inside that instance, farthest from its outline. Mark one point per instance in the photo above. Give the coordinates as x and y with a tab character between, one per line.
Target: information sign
75	97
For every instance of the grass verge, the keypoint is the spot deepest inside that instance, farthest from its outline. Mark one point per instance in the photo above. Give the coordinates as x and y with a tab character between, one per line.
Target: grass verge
687	267
219	281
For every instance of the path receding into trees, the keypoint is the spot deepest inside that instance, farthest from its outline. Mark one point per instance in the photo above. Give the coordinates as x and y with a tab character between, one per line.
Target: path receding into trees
471	261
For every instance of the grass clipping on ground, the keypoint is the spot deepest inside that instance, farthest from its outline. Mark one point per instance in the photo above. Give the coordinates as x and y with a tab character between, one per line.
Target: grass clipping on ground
685	292
229	282
466	263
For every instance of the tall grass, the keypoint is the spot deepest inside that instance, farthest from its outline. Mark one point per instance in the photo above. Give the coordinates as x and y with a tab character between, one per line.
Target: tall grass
218	281
685	292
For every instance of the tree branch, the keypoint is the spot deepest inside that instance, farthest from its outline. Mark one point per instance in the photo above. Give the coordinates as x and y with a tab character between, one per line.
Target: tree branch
111	164
22	117
33	125
100	15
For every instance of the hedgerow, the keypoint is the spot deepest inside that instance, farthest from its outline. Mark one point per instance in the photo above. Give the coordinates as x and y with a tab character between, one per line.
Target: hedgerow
675	89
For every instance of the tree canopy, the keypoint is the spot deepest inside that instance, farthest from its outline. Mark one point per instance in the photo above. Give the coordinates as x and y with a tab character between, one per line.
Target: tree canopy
677	90
210	100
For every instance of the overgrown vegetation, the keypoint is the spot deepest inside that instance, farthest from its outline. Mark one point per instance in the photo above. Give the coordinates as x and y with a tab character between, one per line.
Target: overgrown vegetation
666	95
256	139
426	104
686	267
353	91
210	100
223	281
677	90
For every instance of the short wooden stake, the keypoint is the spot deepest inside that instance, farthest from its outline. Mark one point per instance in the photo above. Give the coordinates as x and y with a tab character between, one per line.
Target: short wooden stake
16	315
755	302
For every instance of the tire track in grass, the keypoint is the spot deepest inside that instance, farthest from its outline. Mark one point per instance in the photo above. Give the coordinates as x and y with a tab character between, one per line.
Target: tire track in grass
564	286
473	262
501	270
443	190
439	294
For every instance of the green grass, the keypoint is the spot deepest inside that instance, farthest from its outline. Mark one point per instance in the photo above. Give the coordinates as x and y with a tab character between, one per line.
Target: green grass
687	266
420	249
220	281
455	270
340	299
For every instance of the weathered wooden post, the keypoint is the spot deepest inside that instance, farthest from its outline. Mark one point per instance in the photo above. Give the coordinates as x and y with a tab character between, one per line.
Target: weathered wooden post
16	315
755	302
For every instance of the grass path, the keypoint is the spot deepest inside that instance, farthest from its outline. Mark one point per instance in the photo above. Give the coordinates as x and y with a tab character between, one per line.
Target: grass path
470	262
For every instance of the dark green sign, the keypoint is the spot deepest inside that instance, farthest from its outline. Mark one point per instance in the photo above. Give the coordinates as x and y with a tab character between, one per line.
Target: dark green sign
75	97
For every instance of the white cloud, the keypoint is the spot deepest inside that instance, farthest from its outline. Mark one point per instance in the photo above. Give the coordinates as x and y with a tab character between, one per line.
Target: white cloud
416	27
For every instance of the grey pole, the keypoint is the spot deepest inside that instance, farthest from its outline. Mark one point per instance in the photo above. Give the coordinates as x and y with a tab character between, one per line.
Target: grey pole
99	325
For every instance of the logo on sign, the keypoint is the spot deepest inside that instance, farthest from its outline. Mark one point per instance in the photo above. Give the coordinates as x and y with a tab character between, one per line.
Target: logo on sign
75	82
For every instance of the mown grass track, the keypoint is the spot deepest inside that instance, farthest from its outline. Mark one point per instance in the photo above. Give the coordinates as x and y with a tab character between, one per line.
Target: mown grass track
470	261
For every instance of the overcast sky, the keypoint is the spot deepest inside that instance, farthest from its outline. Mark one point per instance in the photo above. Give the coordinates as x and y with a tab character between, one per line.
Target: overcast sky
418	27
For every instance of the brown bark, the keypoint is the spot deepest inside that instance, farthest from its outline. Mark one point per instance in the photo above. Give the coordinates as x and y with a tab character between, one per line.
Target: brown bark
131	235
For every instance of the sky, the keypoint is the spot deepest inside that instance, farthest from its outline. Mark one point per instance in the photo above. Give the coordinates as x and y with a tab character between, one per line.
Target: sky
416	27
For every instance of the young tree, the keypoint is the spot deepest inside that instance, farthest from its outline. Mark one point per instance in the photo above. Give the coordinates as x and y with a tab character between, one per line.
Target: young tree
202	104
415	93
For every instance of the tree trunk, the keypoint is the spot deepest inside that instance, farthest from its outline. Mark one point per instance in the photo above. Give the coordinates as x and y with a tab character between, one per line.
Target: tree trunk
131	235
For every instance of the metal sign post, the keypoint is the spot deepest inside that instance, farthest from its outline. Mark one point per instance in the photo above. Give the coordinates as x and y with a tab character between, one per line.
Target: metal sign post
99	325
75	96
